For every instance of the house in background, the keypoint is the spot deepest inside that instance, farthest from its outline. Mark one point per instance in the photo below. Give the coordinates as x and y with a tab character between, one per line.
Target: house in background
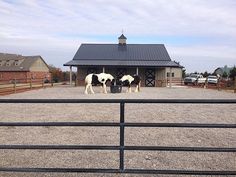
151	61
222	70
23	68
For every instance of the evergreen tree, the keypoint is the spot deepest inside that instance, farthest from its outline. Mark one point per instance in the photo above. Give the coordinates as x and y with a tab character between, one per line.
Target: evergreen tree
225	75
232	73
206	74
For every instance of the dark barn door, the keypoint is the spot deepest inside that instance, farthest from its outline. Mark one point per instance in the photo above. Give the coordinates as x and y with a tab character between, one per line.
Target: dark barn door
120	72
150	77
92	70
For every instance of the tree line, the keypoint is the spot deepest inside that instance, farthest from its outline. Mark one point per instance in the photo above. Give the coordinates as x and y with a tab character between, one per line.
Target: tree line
60	76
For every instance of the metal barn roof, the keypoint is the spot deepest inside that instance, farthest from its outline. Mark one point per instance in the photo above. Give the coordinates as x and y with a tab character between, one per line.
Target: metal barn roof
122	63
122	55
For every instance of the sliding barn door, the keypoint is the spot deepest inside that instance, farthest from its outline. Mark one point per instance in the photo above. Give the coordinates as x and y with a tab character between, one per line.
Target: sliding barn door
150	77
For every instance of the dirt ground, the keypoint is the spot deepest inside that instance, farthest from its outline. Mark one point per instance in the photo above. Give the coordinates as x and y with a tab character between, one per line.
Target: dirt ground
161	113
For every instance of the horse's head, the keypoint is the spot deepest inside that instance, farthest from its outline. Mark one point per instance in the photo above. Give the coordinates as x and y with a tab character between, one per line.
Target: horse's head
116	82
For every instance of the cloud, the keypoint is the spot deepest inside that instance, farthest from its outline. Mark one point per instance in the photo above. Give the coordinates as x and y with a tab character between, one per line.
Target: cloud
203	58
29	26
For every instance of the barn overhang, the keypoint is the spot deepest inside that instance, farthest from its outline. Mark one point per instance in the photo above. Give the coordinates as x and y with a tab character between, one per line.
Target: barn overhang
122	63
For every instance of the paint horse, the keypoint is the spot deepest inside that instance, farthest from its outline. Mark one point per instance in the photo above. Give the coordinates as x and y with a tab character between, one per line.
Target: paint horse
97	79
128	80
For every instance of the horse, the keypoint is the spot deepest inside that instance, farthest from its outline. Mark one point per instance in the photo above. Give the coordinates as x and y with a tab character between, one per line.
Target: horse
94	79
128	80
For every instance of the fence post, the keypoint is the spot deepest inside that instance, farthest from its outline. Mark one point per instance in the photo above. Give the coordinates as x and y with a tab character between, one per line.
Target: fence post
219	84
122	135
51	82
206	83
30	83
43	83
14	85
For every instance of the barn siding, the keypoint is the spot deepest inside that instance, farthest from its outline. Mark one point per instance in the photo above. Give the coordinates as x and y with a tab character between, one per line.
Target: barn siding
39	65
177	75
160	77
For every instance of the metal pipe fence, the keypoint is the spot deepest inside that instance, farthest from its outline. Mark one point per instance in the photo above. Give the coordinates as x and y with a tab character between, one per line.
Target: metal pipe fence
122	147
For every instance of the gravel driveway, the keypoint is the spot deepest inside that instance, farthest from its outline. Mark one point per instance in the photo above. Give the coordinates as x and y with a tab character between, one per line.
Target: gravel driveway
178	113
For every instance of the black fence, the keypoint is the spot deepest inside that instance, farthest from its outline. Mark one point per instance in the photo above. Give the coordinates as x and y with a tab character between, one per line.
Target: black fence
122	147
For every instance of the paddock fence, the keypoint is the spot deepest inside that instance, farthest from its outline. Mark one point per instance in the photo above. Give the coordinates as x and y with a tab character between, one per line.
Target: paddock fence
21	85
121	148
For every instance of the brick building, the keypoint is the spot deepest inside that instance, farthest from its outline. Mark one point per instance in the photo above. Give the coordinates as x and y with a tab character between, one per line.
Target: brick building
23	68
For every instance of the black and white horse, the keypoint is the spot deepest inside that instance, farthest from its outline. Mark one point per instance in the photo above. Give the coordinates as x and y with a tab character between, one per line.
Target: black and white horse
96	79
128	80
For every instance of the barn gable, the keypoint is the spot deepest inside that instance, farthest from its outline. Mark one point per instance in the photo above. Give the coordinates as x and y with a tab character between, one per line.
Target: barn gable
13	62
39	65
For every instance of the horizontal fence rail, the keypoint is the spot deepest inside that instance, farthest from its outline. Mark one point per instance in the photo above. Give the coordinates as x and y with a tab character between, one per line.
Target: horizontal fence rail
138	148
122	147
138	101
111	124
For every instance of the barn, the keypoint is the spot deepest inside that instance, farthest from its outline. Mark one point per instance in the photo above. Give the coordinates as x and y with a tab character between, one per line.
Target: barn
223	70
22	68
151	61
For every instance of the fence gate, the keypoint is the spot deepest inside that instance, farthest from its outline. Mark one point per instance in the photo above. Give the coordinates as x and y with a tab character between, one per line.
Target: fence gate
122	124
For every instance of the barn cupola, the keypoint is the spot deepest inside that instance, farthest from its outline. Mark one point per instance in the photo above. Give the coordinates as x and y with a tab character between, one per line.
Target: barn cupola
122	39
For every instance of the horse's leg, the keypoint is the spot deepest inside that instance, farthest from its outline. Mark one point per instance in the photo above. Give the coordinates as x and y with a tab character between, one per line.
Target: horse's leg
86	88
105	88
91	88
139	86
129	88
136	90
127	91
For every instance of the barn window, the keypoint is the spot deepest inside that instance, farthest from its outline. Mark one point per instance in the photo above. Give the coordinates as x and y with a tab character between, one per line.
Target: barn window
16	62
8	63
172	74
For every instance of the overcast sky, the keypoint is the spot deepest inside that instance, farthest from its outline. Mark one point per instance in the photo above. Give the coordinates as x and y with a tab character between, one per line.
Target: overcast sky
200	34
